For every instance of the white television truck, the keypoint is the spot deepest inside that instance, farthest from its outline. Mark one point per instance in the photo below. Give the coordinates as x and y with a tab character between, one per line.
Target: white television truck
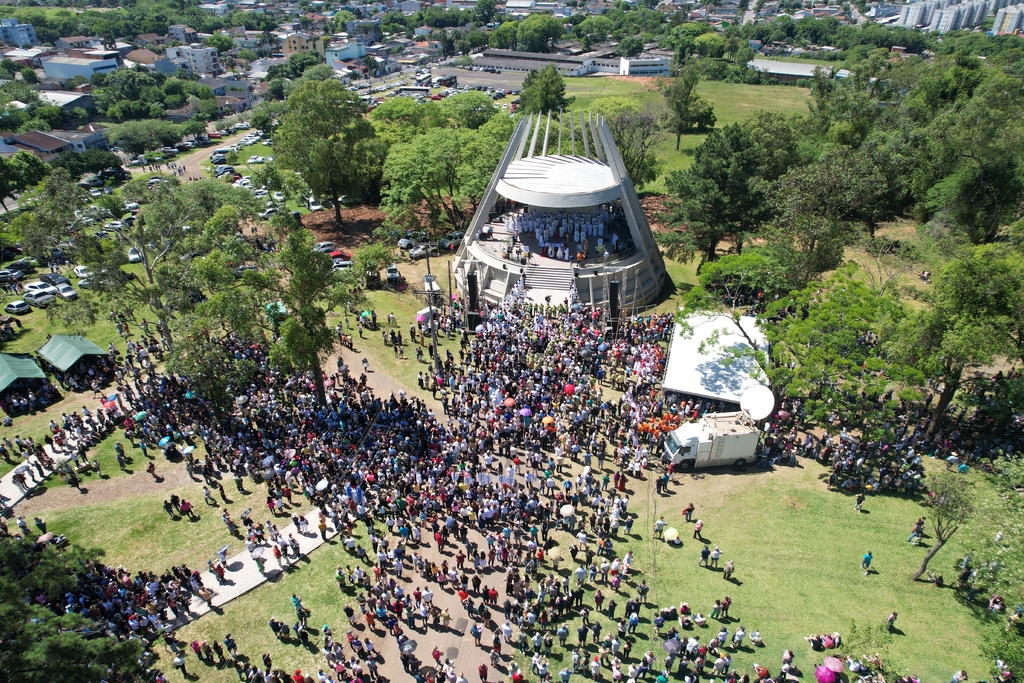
717	439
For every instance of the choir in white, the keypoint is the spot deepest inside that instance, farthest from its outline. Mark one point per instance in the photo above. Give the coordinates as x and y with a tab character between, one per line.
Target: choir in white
553	231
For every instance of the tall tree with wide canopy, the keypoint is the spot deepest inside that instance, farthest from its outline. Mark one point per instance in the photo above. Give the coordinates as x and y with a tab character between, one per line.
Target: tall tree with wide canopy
686	109
41	645
305	282
544	90
322	137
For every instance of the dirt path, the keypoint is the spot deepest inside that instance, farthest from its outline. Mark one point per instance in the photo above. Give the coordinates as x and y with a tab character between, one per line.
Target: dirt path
58	495
193	161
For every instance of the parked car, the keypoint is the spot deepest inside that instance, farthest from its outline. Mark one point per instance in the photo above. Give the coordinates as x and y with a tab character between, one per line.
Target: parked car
240	270
452	238
219	158
277	196
39	300
393	276
18	307
25	265
134	255
66	292
9	274
267	213
422	251
411	239
324	247
81	272
257	160
39	287
55	279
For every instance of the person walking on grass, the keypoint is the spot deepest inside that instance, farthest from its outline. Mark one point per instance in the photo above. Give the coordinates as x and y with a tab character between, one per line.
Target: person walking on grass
865	563
696	530
859	502
727	572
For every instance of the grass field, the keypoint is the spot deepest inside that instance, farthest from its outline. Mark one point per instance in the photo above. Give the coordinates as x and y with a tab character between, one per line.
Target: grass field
733	102
796	547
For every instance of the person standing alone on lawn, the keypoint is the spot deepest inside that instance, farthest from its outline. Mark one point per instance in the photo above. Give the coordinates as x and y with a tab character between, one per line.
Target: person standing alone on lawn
865	564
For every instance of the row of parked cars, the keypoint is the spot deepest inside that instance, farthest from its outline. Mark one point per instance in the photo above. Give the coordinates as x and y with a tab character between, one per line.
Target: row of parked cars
41	293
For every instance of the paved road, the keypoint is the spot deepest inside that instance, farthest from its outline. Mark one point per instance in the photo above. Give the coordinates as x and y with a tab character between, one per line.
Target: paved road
750	13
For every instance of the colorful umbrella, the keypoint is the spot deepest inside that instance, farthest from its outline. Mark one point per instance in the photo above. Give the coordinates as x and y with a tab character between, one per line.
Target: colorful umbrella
825	675
567	511
141	415
569	389
672	534
525	412
509	402
547	420
834	664
164	441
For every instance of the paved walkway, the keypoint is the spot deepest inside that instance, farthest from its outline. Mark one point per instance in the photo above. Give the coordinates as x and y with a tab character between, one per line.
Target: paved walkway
11	494
243	575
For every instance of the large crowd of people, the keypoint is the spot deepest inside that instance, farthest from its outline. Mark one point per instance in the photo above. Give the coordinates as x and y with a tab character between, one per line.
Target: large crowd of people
489	477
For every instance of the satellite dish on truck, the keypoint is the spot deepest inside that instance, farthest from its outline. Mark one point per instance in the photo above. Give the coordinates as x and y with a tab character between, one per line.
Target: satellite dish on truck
758	401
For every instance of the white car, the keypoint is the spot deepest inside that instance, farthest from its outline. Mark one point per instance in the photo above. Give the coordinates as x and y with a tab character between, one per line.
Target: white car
39	287
134	255
131	206
243	182
259	193
277	196
324	247
81	272
96	193
66	292
342	264
257	160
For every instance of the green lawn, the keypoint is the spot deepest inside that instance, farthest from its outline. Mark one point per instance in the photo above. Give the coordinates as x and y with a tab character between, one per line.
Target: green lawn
796	547
136	532
733	102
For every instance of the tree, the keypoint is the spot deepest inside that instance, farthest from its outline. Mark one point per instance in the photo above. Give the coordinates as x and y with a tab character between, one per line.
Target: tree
221	42
77	316
442	173
137	137
321	137
686	109
173	226
630	46
468	109
537	32
308	287
505	37
54	213
952	504
826	351
543	91
370	258
248	55
721	196
484	11
43	644
19	172
970	322
636	129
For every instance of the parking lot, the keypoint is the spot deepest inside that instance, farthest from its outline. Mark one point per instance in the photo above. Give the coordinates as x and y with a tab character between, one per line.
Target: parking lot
505	80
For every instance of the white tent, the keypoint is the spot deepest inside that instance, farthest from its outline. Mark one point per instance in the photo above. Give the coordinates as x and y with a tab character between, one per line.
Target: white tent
718	371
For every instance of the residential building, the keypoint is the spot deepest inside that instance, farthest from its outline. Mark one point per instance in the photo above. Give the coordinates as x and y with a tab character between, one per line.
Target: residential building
43	145
149	60
90	137
78	43
294	43
13	32
32	56
197	59
344	52
144	39
183	34
66	68
1009	19
218	8
365	30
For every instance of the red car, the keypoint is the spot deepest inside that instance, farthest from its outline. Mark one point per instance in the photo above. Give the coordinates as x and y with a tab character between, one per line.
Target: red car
340	254
215	136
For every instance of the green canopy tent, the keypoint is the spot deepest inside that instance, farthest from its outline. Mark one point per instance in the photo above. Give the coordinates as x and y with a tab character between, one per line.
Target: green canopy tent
63	351
13	368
